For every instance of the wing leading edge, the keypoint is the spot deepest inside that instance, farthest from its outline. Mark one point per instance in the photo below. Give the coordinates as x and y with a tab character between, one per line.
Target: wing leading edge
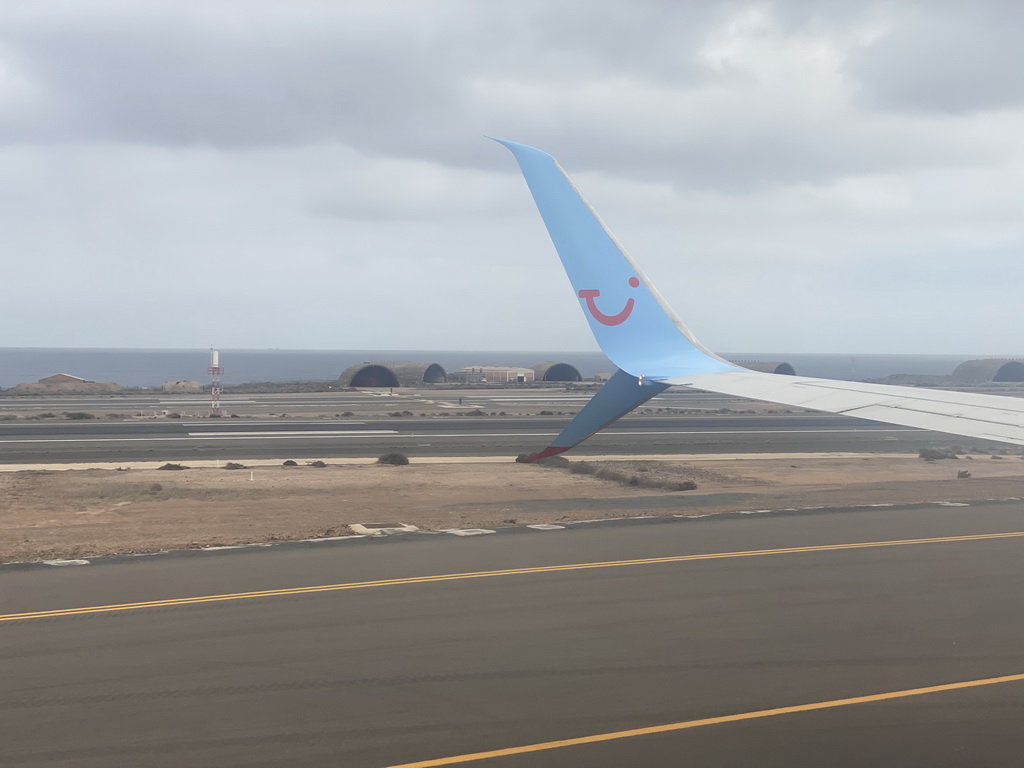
642	335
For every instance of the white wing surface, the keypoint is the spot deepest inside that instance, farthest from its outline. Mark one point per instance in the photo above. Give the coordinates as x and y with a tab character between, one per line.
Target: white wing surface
986	417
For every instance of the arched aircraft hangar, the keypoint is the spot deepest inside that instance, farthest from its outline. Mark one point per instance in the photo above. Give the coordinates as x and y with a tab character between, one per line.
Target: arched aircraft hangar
984	371
551	370
768	366
393	374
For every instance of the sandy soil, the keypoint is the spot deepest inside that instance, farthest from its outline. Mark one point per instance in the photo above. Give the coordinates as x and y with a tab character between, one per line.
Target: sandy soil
47	514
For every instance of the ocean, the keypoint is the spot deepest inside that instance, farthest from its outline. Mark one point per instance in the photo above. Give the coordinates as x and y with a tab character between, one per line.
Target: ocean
152	367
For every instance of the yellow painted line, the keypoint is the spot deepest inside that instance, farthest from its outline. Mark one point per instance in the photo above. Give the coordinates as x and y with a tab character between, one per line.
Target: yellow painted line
614	735
487	574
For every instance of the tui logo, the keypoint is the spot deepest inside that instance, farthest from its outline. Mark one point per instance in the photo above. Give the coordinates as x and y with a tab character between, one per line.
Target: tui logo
589	294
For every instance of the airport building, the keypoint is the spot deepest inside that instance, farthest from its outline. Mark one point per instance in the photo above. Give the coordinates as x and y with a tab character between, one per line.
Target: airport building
396	373
494	374
550	370
984	371
767	366
65	383
393	374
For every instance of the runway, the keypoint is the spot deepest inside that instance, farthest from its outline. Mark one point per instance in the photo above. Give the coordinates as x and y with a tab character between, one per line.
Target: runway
529	638
227	439
430	422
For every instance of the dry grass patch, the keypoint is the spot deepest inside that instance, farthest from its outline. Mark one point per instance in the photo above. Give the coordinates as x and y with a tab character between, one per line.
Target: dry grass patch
82	513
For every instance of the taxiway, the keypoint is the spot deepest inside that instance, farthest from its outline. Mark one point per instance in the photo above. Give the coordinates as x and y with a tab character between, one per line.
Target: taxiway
584	632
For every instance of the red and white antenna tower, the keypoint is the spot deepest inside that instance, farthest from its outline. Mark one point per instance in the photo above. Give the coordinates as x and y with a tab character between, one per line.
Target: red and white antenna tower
215	372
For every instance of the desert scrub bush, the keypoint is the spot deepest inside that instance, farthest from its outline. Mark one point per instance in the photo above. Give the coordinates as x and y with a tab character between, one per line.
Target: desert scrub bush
551	461
934	454
173	467
554	461
290	463
685	485
234	465
318	464
77	415
635	476
614	475
582	468
155	488
394	459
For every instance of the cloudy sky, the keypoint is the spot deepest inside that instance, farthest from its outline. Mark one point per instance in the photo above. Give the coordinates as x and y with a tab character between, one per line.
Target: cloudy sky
794	176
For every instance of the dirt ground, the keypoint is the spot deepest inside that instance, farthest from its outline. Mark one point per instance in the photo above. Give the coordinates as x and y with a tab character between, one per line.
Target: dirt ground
49	514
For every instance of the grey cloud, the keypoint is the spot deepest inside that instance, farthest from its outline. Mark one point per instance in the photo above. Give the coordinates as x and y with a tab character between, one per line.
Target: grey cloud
305	168
403	80
742	158
946	58
170	79
348	71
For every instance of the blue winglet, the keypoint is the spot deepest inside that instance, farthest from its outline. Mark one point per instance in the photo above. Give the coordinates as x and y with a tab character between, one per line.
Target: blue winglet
619	395
632	323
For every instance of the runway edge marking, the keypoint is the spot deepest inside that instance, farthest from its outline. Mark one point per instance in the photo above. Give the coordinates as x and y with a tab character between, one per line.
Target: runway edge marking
291	591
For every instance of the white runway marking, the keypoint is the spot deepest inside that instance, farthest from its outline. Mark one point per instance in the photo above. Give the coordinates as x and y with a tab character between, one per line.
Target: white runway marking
262	423
327	538
210	436
466	531
293	433
66	562
391	432
205	402
535	401
382	529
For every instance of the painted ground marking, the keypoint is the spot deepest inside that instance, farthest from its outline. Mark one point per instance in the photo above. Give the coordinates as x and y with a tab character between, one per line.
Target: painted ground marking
290	591
686	724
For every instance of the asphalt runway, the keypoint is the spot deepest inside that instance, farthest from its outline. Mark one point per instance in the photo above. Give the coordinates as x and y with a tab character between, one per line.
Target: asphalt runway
357	401
227	439
712	621
278	426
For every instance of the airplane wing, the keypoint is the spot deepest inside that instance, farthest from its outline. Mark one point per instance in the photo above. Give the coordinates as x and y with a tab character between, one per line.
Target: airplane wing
986	417
641	334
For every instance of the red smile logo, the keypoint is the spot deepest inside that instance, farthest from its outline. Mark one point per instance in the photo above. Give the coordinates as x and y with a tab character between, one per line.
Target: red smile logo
617	319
